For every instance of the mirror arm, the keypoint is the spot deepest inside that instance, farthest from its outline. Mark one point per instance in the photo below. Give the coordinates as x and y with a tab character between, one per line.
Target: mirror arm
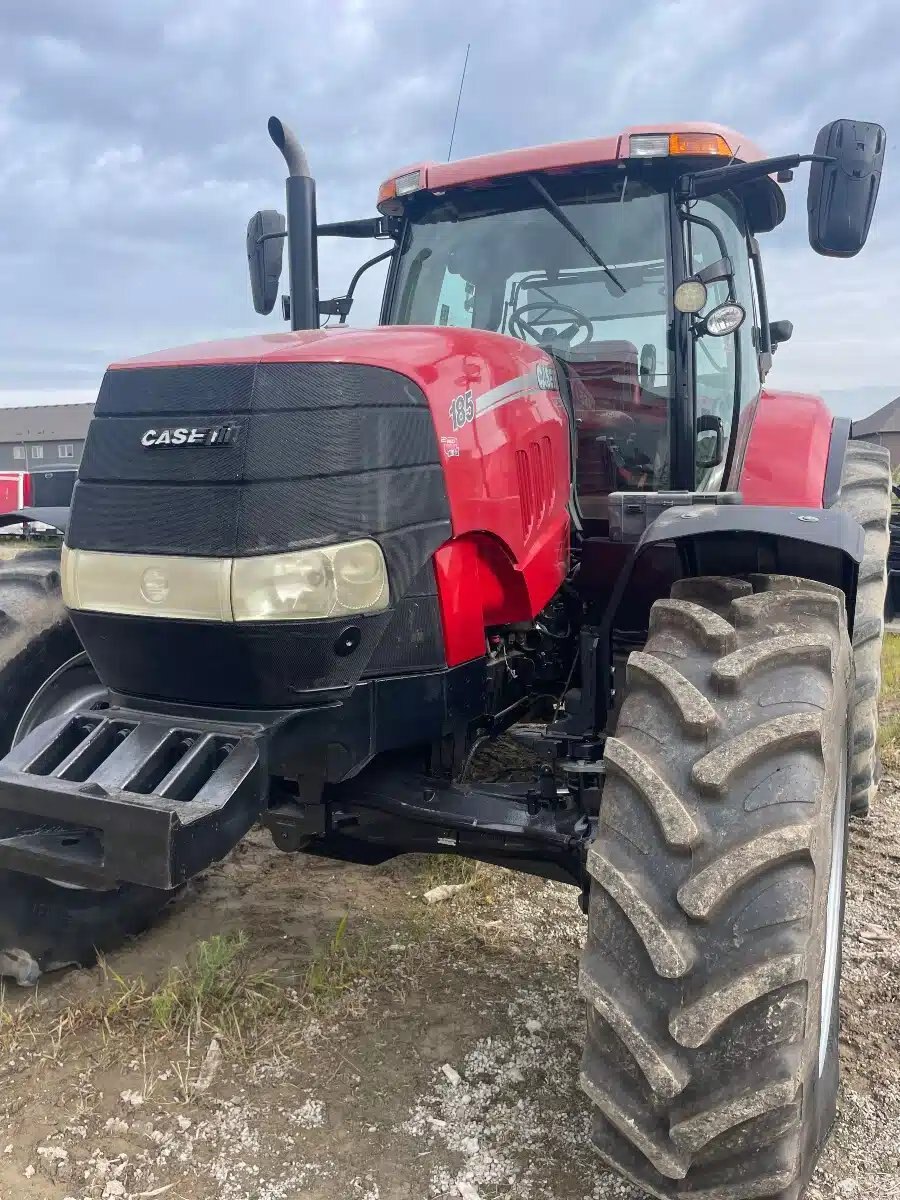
722	268
697	184
340	306
365	227
268	237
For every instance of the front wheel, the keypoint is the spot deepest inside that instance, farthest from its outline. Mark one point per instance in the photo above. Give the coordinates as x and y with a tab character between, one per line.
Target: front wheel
712	963
45	925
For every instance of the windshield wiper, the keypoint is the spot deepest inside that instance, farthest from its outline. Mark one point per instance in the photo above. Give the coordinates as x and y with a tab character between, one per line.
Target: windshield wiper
576	233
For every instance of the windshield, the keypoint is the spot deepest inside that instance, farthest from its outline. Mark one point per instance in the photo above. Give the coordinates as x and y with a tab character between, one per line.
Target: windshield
499	258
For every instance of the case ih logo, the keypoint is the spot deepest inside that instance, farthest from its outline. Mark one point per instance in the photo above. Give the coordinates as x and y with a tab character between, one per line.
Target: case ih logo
204	435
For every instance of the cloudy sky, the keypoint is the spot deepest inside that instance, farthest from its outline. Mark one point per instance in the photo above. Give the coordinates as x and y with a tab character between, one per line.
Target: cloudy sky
133	148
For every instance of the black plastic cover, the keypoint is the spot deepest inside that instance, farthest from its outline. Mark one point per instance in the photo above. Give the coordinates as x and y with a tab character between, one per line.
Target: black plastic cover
53	489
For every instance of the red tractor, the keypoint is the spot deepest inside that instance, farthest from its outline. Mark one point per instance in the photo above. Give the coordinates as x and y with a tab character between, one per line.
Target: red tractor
308	575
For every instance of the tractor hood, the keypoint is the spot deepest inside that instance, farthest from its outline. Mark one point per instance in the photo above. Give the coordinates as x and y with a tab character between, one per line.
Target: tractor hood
272	444
256	446
279	442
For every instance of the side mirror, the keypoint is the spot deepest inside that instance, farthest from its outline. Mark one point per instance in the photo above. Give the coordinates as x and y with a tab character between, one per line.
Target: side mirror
842	192
710	441
780	331
265	250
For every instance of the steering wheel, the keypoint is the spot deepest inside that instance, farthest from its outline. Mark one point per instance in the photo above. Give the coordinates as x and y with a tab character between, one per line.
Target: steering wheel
519	326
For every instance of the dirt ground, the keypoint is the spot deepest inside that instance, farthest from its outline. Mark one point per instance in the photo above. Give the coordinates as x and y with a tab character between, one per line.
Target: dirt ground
359	1044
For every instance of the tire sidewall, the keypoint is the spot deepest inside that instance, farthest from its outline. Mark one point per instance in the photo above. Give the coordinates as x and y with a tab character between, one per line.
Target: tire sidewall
825	1087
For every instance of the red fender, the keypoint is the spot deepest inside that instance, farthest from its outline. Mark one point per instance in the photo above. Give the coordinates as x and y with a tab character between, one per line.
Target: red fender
787	451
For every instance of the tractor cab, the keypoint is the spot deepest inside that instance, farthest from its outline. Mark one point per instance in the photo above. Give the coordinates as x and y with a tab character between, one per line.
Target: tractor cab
585	260
632	260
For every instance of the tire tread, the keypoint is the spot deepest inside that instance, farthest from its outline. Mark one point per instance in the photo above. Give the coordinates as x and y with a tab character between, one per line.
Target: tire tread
866	495
701	1086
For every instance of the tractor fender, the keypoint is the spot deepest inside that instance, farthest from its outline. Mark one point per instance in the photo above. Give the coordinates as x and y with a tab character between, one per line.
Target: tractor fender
742	539
56	518
794	451
719	539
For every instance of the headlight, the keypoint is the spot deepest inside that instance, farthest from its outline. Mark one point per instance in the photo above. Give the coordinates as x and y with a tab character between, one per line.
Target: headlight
360	581
350	578
147	585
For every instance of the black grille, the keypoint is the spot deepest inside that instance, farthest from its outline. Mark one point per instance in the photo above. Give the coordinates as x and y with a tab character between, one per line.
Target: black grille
321	452
177	391
256	518
263	446
226	390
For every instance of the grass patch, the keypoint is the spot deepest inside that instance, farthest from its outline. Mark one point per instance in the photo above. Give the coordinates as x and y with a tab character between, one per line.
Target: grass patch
889	740
219	992
890	668
438	869
889	703
482	881
37	541
341	963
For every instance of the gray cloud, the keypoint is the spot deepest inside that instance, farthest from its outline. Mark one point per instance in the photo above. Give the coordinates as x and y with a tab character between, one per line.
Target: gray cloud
133	147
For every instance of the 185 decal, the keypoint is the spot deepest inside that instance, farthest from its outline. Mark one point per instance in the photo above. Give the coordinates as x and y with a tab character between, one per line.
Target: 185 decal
462	410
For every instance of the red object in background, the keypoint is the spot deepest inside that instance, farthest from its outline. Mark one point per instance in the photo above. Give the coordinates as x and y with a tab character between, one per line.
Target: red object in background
15	490
787	453
503	438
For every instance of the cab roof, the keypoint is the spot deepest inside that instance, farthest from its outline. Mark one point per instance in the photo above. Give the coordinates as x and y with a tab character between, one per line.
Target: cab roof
557	156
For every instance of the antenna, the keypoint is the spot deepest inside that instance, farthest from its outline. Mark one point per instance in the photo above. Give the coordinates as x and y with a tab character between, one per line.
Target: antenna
458	98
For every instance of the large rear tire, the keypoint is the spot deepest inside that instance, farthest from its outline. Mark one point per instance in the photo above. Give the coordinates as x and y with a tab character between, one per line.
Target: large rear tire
712	962
44	925
866	496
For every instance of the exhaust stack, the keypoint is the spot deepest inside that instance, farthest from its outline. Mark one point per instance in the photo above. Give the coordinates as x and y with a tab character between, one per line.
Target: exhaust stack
303	259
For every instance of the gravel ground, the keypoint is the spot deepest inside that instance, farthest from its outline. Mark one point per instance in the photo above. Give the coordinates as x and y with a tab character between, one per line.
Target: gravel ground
447	1067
